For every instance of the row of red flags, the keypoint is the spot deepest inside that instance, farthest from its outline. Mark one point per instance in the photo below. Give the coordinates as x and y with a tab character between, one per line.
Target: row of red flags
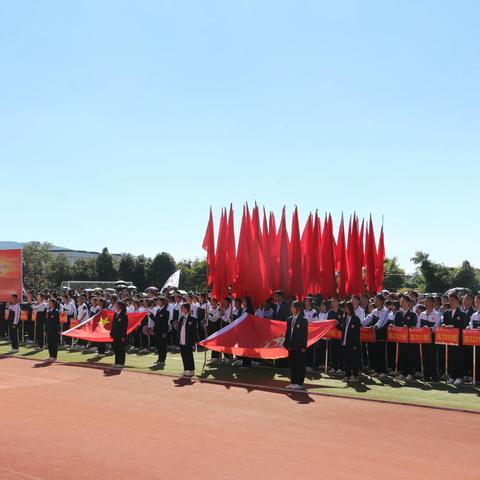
267	258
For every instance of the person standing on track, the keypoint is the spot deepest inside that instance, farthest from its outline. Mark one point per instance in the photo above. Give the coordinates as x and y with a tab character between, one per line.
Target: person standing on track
295	342
52	329
13	320
160	330
118	333
187	336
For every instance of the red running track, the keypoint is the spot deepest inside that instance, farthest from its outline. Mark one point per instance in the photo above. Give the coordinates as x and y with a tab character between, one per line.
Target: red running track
65	422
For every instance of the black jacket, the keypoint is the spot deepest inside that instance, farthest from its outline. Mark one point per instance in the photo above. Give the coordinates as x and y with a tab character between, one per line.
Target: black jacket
352	333
459	320
282	311
297	339
405	319
161	321
119	326
191	330
52	322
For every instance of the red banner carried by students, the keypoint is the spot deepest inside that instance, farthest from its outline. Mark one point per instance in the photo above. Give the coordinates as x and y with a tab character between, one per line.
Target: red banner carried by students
255	337
471	337
97	328
10	274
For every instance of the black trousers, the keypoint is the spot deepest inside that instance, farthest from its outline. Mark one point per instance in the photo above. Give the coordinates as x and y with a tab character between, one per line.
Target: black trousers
161	347
429	361
101	348
297	361
40	333
456	362
213	327
406	358
52	343
380	356
351	359
336	354
187	357
14	336
119	351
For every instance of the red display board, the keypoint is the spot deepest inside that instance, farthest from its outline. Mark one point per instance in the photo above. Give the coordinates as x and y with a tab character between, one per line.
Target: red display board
447	336
334	333
397	334
10	274
367	335
420	335
471	337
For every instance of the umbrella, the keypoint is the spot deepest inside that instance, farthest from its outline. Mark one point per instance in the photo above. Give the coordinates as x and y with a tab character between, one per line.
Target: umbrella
151	288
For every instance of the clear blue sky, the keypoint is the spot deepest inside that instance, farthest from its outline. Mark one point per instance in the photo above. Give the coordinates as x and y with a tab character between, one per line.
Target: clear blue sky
122	122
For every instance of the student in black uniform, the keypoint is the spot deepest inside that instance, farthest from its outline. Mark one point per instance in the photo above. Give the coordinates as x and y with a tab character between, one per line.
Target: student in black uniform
160	330
119	333
40	308
52	328
457	318
187	337
406	353
336	313
350	343
296	335
202	313
13	320
282	309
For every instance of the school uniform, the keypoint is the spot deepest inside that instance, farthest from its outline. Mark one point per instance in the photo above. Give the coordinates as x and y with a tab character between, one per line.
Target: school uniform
187	337
160	329
296	335
282	311
312	351
40	310
432	320
214	325
69	309
118	333
467	349
350	344
202	313
336	360
13	321
52	329
407	352
379	319
475	323
456	359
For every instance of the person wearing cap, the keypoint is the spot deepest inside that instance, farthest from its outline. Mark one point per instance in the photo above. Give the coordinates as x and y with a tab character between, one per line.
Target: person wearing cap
296	334
187	337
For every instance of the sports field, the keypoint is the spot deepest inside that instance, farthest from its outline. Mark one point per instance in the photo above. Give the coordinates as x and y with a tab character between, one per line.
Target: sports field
419	393
67	422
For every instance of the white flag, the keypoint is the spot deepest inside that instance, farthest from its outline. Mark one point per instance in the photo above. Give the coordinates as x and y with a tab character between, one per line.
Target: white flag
172	281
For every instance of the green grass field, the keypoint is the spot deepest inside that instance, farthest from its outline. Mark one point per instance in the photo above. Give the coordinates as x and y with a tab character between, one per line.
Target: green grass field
420	393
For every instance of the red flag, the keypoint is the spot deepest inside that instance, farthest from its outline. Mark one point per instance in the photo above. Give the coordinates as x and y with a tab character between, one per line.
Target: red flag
242	286
11	276
370	258
314	275
98	327
355	281
231	250
281	257
361	248
295	258
341	260
209	247
328	260
220	282
267	254
306	246
379	272
255	337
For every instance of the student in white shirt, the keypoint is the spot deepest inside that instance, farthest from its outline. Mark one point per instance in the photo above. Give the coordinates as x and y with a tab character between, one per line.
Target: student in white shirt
13	320
432	319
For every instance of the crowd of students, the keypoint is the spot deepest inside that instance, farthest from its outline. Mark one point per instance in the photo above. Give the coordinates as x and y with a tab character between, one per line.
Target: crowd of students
177	322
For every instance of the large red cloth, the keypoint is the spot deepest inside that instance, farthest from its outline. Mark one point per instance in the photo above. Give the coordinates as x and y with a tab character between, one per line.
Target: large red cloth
10	274
97	328
255	337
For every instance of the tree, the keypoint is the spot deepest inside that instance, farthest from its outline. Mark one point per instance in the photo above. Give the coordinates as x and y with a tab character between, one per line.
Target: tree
60	270
84	270
140	272
466	276
105	268
394	278
193	276
36	263
126	268
436	277
163	265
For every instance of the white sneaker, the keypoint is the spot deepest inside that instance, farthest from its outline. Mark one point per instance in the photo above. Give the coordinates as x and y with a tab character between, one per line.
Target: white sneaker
188	373
383	376
290	385
450	381
339	371
353	379
345	379
401	377
100	355
159	364
118	365
458	382
296	387
409	377
13	350
51	360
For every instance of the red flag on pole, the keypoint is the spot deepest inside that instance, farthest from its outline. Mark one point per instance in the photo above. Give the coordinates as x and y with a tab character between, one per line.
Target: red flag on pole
209	247
370	258
379	270
281	256
341	260
328	287
220	282
231	249
295	258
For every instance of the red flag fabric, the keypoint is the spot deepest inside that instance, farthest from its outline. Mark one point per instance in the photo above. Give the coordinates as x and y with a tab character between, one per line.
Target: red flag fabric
306	245
242	285
370	258
295	259
379	271
281	256
220	287
97	328
341	260
231	249
355	280
209	247
256	337
361	248
314	274
328	287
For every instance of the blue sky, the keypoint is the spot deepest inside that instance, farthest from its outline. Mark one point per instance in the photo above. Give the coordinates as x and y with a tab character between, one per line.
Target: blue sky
122	122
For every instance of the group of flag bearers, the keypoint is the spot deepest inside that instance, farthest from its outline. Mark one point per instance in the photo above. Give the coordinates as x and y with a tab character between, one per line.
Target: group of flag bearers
179	322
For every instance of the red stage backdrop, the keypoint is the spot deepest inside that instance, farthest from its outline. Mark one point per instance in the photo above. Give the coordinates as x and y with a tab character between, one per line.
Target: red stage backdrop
266	259
256	337
97	328
10	274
